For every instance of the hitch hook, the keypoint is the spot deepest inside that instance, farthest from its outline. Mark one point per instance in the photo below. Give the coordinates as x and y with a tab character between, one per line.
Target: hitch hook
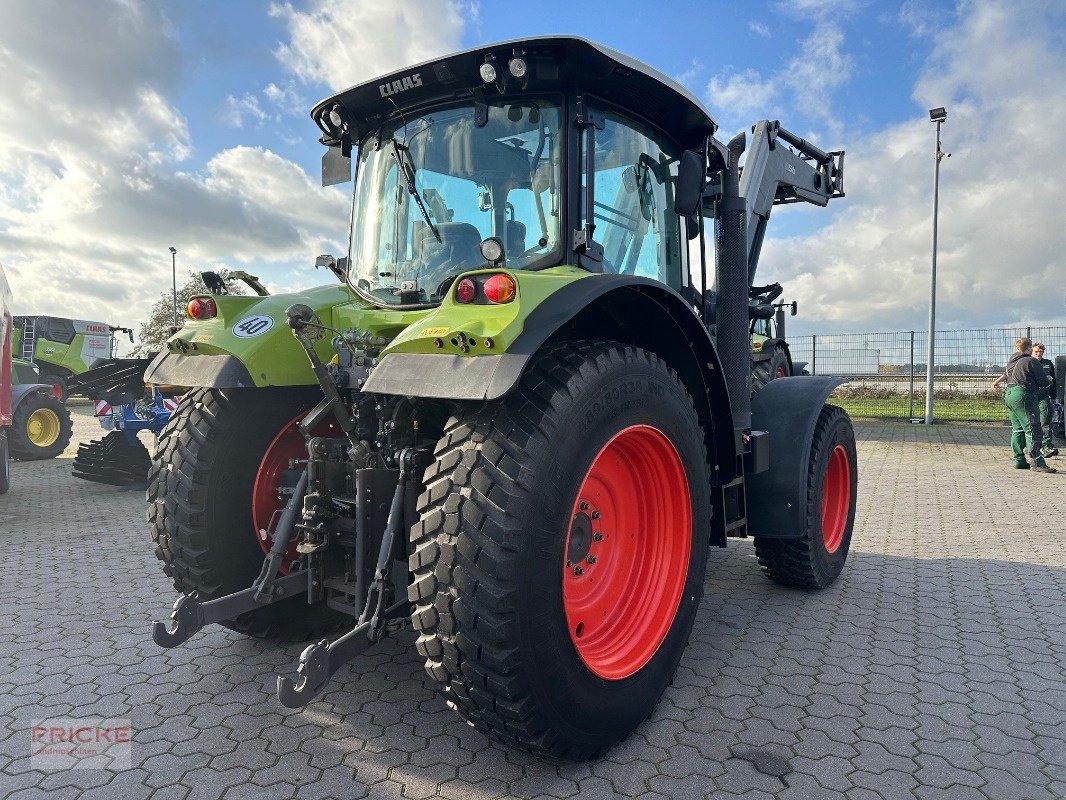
188	619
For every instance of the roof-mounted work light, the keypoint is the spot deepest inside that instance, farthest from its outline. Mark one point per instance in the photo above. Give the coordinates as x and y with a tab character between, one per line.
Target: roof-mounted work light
938	114
487	71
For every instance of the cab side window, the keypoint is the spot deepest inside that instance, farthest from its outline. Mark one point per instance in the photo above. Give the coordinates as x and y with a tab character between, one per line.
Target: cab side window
635	221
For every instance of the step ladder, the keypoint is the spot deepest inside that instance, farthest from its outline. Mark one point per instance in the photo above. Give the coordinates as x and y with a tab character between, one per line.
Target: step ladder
29	339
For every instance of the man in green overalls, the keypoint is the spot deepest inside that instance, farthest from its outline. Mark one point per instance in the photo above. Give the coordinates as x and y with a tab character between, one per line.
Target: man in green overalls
1024	377
1043	398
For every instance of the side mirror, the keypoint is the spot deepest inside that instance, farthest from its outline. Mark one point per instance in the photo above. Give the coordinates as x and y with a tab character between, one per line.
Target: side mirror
688	192
338	267
336	166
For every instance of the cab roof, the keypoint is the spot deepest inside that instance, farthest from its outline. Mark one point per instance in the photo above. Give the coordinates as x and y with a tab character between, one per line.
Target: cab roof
556	63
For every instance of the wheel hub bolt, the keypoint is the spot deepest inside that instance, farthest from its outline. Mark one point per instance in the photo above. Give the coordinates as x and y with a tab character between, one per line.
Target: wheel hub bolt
597	537
569	563
595	514
591	559
583	506
578	571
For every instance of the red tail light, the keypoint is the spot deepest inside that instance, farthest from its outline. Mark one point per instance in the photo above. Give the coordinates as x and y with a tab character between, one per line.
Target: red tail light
202	308
57	392
466	291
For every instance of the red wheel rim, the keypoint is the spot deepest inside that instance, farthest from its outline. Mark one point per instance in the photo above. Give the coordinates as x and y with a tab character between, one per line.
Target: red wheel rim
627	552
267	499
836	498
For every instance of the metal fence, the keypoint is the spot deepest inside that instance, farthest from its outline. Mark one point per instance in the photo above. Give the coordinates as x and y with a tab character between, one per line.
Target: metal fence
886	371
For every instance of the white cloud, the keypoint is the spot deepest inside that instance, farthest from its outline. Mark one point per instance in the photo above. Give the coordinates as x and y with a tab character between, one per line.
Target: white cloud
759	28
343	43
286	98
805	85
735	97
816	72
818	9
93	178
1001	234
239	108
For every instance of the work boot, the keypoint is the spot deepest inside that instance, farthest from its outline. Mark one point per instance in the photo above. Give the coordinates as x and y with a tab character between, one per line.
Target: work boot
1043	468
1021	465
1048	452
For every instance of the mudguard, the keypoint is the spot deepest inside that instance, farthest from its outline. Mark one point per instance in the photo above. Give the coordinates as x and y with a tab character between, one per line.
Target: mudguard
437	375
787	409
624	308
20	391
247	344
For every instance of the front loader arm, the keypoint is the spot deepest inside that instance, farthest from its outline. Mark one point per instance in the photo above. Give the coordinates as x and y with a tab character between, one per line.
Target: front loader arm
774	174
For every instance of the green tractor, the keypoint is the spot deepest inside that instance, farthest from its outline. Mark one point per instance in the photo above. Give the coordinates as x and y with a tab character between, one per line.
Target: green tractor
62	348
41	426
508	421
770	354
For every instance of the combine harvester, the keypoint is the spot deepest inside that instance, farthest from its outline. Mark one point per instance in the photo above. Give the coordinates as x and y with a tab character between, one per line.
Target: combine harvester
509	422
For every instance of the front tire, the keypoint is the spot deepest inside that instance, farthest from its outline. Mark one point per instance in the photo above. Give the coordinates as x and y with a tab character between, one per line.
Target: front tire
817	556
778	365
595	462
202	501
41	428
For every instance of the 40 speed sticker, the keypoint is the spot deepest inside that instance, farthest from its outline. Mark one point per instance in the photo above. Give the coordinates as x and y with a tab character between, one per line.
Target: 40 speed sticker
253	326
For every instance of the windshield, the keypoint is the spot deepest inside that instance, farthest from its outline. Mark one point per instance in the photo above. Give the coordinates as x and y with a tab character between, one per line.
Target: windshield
431	189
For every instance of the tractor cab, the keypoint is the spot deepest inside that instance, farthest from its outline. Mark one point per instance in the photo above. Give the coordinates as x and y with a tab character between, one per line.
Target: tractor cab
524	155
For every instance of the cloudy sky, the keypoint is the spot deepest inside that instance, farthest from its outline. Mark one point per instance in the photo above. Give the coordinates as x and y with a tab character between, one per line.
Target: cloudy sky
128	126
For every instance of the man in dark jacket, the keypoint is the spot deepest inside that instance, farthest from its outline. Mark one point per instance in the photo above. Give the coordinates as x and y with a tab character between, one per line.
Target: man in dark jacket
1024	378
1043	400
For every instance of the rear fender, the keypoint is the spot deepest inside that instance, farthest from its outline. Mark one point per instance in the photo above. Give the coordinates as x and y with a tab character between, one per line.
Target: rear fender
20	391
248	344
621	308
787	409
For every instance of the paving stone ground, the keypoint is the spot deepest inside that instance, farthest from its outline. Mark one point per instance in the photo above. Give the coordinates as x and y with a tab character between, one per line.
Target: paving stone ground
934	668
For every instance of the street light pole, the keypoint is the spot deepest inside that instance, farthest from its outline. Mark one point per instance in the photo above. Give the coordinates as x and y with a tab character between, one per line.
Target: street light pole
174	281
937	115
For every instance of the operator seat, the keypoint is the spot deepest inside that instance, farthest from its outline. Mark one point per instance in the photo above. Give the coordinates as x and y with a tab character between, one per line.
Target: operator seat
458	249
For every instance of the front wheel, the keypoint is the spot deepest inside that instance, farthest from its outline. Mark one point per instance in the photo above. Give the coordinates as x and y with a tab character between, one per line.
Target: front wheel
815	558
41	428
777	365
559	558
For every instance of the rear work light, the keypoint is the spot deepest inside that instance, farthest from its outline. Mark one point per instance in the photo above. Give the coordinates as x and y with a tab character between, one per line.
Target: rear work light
499	288
202	308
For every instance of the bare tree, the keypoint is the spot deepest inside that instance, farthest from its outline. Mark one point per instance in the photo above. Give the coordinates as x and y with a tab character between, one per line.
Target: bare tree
157	328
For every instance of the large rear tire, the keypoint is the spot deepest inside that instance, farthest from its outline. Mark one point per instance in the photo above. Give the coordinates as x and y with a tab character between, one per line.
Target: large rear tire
41	428
201	493
594	469
817	556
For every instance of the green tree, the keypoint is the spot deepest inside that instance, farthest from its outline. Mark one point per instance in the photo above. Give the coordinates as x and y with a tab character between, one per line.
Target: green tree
156	329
